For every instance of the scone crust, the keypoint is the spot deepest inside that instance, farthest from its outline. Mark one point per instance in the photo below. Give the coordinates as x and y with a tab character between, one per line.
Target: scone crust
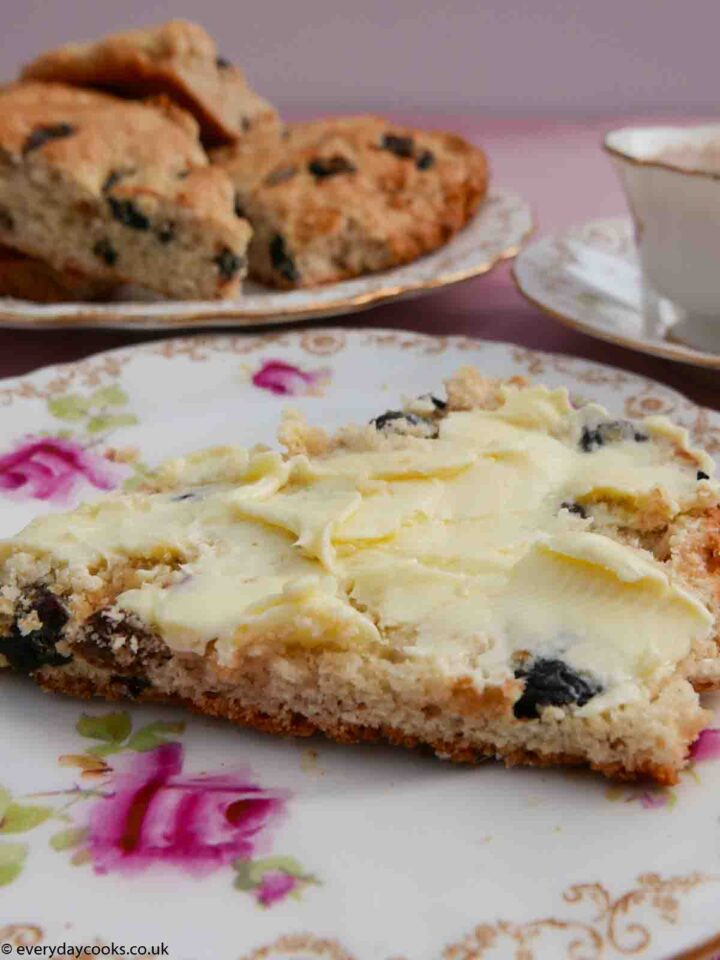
340	197
104	160
27	278
178	59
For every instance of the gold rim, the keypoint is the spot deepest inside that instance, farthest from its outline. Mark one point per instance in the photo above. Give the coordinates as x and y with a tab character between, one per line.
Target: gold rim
309	311
702	951
619	154
667	352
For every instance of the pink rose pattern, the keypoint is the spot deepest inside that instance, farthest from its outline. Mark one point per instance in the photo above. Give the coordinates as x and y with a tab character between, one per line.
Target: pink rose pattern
707	746
154	814
285	379
50	468
275	886
143	811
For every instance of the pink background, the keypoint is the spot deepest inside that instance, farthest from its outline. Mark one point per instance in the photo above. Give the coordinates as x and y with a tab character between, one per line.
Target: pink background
520	57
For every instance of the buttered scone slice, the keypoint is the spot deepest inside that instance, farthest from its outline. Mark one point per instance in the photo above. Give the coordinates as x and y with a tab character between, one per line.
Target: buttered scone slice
498	574
177	59
345	196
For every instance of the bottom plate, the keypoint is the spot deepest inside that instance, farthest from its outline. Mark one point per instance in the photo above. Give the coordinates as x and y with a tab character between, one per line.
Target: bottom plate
247	846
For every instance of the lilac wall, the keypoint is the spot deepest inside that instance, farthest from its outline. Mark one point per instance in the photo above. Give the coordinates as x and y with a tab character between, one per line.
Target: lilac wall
503	56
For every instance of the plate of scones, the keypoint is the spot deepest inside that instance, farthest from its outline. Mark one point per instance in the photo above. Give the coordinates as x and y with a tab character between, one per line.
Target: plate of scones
144	183
248	572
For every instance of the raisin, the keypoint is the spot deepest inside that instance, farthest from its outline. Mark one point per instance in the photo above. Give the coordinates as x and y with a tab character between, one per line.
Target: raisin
134	686
30	651
42	135
238	207
701	475
611	431
245	124
106	252
440	405
397	421
400	146
137	651
425	159
128	214
222	63
6	219
575	508
114	178
228	263
280	175
551	682
166	232
281	260
322	167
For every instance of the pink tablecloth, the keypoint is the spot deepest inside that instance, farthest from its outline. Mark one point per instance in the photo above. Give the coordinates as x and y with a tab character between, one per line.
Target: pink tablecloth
561	169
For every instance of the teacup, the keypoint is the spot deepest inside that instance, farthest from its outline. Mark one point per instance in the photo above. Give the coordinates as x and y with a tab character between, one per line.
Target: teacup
671	178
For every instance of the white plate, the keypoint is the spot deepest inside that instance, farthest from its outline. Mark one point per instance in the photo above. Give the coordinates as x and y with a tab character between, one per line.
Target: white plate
414	858
496	232
589	278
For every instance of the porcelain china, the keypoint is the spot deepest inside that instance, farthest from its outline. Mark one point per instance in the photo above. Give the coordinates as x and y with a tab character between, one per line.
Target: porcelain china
123	825
674	200
496	232
589	277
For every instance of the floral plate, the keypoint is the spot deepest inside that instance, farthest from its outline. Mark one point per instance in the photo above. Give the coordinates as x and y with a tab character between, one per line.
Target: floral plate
589	278
128	826
495	233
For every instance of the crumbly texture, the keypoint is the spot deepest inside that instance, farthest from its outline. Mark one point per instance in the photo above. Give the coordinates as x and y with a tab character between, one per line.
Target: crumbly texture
117	191
341	197
61	625
177	59
27	278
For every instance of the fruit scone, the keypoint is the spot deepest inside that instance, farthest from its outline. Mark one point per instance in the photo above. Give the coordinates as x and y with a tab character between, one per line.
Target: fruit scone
116	190
177	59
27	278
495	574
344	196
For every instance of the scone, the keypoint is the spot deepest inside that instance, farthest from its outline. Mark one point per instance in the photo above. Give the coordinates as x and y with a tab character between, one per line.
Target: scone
27	278
495	574
116	190
177	59
341	197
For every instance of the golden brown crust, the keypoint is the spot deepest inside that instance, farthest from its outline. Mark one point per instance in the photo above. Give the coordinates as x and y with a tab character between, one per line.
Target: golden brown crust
27	278
178	59
350	195
292	724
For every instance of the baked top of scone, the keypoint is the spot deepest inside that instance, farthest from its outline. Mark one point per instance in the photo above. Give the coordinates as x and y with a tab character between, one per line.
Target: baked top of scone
343	196
499	573
177	58
116	189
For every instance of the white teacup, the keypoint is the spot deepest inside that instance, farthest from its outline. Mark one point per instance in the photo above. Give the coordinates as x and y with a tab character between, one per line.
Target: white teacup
671	178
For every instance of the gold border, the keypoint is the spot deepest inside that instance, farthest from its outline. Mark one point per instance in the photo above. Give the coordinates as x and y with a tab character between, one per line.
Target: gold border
706	950
237	318
656	164
670	352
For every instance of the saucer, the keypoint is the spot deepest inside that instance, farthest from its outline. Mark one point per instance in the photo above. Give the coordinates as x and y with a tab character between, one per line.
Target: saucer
588	277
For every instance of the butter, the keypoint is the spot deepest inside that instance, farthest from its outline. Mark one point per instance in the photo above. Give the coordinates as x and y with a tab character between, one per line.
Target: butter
455	549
